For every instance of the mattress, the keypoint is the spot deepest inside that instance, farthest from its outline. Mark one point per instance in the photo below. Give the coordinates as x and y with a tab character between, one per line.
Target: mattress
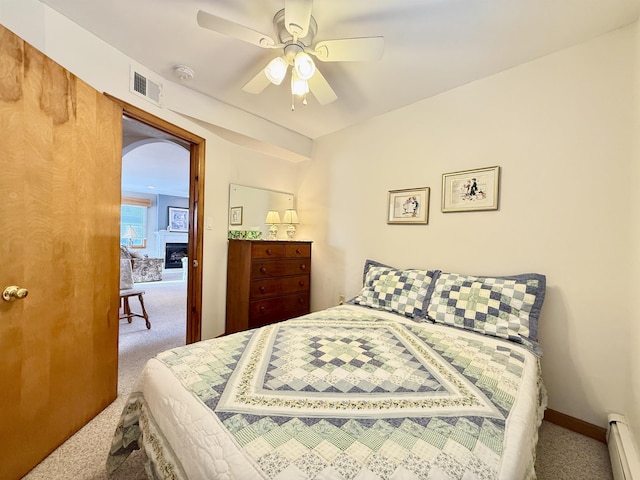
344	393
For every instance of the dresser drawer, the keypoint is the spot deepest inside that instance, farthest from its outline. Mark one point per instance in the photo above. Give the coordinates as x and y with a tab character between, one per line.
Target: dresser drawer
263	312
279	268
267	250
278	286
297	250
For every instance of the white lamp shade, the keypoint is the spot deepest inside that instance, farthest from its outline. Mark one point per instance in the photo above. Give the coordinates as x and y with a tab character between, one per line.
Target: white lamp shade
298	86
272	217
130	233
276	70
290	217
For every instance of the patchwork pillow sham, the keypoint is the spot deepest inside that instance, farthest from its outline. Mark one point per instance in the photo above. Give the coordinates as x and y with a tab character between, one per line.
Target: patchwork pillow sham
506	307
400	291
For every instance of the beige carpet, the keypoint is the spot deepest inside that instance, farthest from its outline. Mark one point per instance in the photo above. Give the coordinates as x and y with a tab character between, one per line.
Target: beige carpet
565	455
561	455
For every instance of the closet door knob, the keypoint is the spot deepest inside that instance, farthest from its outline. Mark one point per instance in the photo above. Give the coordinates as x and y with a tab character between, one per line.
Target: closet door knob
13	292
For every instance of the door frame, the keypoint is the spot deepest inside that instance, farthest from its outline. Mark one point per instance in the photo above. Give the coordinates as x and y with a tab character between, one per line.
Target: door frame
196	211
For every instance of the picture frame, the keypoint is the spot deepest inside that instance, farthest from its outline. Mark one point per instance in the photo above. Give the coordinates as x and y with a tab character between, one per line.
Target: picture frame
409	206
471	190
178	219
235	216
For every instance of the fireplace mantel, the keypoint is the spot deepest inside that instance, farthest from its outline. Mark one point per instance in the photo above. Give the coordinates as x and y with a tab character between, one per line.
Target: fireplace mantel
165	236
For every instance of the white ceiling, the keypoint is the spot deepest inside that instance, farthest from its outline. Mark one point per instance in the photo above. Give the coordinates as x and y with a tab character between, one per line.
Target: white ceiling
430	46
157	167
153	162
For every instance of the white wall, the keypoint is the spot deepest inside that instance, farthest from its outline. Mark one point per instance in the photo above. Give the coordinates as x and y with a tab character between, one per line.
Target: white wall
633	404
561	129
106	69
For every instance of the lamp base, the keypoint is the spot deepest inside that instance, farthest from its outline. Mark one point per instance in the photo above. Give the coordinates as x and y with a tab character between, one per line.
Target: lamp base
273	232
291	232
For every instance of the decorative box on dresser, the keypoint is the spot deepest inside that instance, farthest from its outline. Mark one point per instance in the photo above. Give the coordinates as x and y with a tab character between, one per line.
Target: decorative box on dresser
267	281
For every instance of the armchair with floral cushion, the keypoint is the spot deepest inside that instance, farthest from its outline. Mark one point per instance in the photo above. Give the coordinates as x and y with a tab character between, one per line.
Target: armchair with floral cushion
144	269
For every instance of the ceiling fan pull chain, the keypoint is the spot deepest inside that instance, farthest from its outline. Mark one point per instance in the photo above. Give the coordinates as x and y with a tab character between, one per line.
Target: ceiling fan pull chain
293	101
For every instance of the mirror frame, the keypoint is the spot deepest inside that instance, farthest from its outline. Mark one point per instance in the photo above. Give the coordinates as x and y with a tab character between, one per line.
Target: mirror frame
247	213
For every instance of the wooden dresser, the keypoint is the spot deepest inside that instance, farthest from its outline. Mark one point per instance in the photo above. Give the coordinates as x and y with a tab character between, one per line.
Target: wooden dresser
267	281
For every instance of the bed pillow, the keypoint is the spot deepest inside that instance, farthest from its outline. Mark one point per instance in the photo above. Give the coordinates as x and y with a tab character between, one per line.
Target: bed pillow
400	291
505	307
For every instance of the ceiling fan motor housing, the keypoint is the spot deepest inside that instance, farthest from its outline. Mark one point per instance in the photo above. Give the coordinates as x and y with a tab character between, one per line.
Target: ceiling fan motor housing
291	50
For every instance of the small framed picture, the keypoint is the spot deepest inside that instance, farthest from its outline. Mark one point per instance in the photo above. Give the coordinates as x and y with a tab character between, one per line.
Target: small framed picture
235	216
178	219
409	206
471	190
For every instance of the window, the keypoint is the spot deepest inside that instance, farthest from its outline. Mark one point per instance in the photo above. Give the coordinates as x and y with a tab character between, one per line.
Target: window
133	222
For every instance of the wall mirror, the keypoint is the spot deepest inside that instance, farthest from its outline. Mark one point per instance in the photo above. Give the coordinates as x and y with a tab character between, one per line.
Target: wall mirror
248	207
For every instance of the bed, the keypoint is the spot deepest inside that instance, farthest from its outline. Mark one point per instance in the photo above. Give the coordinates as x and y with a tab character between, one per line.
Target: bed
423	375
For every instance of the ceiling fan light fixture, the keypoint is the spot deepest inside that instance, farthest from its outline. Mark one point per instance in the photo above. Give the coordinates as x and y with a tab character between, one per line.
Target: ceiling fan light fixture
299	86
304	66
276	70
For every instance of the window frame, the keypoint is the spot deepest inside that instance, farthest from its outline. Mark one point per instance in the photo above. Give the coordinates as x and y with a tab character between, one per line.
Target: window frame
135	202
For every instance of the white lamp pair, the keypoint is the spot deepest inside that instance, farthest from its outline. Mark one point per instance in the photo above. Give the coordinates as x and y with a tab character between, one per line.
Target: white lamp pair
273	220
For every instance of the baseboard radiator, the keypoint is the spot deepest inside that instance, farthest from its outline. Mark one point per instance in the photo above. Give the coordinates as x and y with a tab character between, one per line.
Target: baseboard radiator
624	456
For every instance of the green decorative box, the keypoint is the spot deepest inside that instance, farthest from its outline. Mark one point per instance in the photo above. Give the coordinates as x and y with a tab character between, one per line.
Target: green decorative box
245	234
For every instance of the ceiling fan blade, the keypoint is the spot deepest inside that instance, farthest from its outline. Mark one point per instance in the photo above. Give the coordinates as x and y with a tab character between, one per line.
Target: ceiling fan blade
297	15
235	30
257	84
321	89
350	49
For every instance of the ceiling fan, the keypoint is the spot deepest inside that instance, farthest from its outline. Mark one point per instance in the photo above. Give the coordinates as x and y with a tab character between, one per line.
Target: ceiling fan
295	30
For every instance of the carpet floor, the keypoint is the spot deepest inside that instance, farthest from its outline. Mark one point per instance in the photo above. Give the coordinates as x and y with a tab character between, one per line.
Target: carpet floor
561	454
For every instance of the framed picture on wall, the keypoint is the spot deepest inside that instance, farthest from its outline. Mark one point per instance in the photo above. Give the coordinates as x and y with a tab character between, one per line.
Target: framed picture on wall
408	206
235	216
178	219
470	190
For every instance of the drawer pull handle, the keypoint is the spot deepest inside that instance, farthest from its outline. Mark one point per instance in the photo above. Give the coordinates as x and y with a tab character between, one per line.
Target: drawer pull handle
301	283
301	301
262	309
298	251
263	270
269	251
262	289
303	267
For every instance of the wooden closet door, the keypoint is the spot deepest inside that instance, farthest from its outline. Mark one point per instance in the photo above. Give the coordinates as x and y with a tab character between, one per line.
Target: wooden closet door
60	163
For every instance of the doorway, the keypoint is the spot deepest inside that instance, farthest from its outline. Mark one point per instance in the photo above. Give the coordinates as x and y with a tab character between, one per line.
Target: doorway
155	184
196	146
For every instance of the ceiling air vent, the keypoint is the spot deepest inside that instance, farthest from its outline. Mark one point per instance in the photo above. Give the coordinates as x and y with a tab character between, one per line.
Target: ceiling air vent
143	86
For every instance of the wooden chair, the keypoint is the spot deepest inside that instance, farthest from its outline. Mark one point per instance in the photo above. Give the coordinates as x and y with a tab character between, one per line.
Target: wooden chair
128	314
127	291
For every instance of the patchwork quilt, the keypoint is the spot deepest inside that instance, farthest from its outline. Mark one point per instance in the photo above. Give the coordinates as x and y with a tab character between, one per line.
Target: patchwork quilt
345	393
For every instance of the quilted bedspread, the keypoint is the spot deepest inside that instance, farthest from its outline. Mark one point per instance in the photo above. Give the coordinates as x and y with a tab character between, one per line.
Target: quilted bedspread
345	393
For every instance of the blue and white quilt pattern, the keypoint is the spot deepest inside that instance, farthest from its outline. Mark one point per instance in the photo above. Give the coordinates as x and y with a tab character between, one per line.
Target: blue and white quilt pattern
346	393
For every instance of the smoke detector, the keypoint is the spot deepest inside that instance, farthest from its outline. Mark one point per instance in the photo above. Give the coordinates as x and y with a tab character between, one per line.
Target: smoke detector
183	72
